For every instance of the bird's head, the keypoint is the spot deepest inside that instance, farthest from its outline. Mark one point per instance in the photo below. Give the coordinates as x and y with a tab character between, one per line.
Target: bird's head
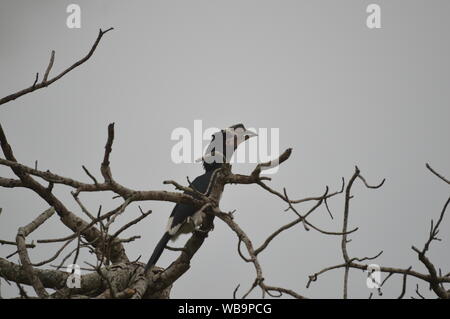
237	134
224	143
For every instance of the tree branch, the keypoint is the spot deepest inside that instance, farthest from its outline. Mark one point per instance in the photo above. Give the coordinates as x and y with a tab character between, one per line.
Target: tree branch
45	82
22	233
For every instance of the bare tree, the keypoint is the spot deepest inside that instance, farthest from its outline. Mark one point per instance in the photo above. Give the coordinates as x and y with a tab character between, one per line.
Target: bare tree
115	276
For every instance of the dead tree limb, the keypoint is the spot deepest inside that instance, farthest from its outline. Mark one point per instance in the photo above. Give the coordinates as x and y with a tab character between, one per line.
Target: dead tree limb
22	233
45	82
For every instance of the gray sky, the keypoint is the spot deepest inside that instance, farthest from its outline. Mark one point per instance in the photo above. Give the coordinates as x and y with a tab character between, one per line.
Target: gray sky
340	94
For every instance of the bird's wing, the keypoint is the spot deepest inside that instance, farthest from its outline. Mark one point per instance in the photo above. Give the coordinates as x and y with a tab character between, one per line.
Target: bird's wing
181	211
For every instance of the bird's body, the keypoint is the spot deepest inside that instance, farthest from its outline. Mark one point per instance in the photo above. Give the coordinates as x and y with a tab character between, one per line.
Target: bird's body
185	218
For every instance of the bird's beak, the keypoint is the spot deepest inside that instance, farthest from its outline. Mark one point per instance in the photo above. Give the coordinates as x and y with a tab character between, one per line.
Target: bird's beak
248	134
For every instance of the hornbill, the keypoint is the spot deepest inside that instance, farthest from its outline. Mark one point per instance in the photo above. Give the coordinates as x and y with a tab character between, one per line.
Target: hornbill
185	218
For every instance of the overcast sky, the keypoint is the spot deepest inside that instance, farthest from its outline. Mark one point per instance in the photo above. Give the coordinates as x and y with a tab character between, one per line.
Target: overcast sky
339	93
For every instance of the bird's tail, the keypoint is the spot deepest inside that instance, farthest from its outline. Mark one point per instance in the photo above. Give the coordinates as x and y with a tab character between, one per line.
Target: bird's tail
158	251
